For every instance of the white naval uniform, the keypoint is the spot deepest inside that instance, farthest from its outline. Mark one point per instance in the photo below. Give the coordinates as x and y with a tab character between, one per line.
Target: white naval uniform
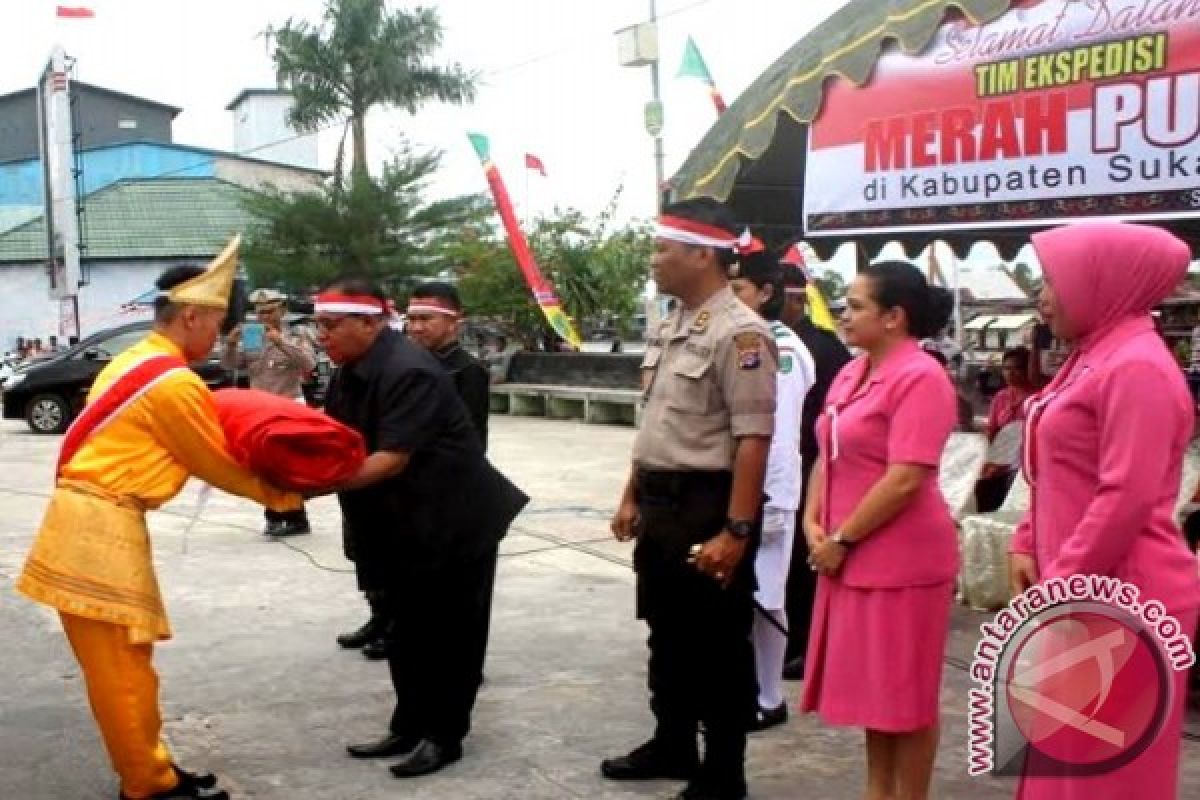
796	375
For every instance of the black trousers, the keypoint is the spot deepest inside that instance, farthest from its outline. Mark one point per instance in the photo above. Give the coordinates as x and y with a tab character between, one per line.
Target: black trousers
701	666
438	643
801	593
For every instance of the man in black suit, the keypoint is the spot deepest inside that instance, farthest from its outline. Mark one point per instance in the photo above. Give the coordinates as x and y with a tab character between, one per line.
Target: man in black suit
428	512
434	321
829	355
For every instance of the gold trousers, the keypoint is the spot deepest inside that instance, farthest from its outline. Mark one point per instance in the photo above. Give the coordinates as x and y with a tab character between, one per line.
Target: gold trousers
122	687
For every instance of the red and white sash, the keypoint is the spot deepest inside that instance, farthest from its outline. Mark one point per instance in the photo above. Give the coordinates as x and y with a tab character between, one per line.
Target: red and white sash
137	380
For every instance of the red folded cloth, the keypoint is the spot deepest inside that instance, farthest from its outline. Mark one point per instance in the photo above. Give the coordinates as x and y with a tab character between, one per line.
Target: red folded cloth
286	443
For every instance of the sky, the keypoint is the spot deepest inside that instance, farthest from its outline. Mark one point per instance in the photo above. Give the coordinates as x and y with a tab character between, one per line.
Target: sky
550	83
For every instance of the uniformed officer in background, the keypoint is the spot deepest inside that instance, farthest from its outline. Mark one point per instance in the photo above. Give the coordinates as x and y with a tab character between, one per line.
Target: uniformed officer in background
280	364
693	501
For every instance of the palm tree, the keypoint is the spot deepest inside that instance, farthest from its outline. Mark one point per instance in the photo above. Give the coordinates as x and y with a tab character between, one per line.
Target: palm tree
363	56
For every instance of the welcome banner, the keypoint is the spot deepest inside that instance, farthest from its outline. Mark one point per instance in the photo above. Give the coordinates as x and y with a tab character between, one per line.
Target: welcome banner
1060	109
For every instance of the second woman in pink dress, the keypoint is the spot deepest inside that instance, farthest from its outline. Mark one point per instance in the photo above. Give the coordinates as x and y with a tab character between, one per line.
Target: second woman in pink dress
880	533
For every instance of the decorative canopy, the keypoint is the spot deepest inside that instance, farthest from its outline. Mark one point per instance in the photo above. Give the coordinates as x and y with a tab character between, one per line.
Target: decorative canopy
754	156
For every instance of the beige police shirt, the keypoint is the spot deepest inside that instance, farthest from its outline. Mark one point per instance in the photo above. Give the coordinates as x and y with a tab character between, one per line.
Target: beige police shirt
279	368
709	379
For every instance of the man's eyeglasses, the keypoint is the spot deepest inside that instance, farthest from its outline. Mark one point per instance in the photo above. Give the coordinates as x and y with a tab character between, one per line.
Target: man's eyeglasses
329	323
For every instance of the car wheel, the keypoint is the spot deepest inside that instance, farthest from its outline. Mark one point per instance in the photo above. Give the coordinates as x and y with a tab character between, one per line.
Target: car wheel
48	413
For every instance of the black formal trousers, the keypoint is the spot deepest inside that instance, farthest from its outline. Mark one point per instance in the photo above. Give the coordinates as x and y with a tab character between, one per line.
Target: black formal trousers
438	643
801	581
701	666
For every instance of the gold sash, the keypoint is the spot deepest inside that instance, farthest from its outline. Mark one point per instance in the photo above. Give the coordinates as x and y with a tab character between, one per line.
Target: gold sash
92	558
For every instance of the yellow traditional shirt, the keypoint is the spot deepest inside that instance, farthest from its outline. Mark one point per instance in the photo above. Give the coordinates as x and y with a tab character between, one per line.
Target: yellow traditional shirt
92	555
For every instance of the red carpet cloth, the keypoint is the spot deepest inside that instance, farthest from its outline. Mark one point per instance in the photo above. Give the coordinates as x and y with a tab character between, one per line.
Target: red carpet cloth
287	443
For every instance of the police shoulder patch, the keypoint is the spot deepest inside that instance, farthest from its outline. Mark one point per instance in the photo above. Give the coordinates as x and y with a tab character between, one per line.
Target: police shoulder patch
749	349
785	365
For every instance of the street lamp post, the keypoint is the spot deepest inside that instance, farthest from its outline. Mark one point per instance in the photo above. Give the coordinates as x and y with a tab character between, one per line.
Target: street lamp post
638	47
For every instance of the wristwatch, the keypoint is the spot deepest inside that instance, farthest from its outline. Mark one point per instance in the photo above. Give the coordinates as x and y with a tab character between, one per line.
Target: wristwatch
740	528
840	538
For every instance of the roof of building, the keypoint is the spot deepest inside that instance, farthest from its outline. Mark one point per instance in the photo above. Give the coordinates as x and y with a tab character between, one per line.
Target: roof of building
245	93
208	153
987	284
150	218
175	110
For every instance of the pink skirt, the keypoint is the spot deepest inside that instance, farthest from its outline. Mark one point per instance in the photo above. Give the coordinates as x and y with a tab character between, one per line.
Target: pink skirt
875	655
1154	775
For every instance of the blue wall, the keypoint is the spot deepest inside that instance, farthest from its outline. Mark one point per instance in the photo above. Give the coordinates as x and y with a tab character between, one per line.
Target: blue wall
21	181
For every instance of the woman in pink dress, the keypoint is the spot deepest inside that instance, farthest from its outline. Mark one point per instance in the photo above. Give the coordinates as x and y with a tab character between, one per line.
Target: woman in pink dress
880	534
1007	408
1104	447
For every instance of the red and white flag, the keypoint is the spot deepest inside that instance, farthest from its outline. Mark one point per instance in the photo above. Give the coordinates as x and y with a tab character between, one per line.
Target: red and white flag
74	12
534	163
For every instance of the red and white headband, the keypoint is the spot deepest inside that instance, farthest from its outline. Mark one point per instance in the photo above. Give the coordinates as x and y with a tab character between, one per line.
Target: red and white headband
686	231
432	305
337	303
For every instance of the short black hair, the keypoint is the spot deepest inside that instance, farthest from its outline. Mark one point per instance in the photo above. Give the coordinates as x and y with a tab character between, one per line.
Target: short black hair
1020	354
357	284
898	284
762	270
164	309
441	291
709	212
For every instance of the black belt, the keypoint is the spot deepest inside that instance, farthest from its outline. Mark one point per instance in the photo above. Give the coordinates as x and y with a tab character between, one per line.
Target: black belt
678	483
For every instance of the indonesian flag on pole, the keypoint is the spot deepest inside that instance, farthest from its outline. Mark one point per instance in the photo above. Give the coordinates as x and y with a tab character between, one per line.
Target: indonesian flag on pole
74	12
534	163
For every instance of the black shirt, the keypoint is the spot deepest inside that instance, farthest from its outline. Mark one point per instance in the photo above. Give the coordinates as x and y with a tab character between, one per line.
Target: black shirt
448	500
472	382
829	356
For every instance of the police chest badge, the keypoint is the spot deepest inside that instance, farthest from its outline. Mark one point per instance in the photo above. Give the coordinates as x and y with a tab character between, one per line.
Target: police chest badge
749	350
701	323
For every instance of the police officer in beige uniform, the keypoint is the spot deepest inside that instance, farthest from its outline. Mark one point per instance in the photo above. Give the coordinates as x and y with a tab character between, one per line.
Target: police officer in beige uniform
693	502
280	366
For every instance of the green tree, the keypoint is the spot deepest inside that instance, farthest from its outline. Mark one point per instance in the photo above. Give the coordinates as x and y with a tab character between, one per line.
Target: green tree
1022	275
599	273
363	56
380	228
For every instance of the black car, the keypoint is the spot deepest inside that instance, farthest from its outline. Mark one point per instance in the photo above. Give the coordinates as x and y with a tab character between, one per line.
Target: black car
50	393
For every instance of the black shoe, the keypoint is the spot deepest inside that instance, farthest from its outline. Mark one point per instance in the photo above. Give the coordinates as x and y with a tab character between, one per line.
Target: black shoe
191	786
702	791
794	670
368	633
769	717
650	762
391	745
376	649
289	529
427	757
273	527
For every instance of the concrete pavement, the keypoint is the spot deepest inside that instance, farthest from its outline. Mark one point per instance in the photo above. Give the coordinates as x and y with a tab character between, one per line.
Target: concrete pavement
255	689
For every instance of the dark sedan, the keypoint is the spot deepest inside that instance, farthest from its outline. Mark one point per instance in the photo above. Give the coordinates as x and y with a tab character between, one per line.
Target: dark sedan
49	394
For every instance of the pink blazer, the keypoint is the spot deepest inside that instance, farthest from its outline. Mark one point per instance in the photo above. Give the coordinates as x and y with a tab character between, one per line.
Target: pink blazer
1104	450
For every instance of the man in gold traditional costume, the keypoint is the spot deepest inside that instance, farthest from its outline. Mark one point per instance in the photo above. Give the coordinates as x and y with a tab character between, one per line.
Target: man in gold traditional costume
149	424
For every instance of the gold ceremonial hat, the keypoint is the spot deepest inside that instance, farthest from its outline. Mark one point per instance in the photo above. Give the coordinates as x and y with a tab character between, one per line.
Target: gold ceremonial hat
212	288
